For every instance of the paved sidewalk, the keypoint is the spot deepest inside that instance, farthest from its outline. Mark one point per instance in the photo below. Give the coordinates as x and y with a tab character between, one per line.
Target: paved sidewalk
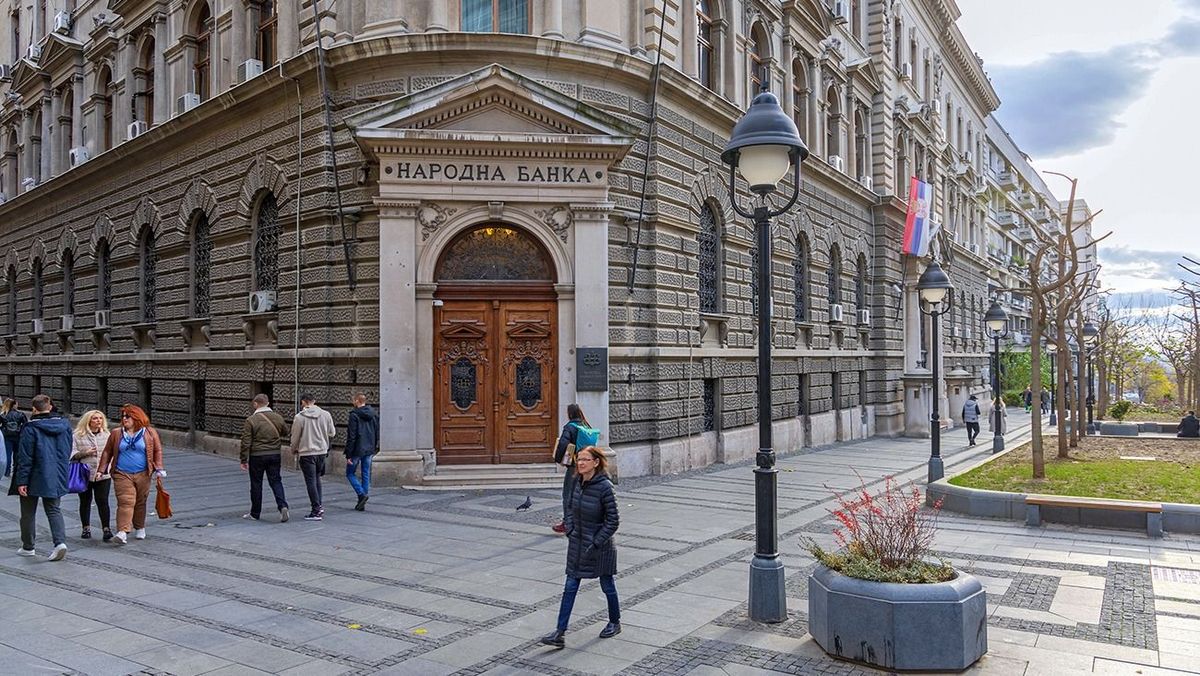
460	583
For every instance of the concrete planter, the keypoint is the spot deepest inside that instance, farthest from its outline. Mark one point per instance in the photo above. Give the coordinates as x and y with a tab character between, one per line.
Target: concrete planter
927	627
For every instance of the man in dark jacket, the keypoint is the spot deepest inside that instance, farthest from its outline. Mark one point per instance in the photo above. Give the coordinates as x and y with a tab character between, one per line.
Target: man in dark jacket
1190	425
263	434
362	443
43	453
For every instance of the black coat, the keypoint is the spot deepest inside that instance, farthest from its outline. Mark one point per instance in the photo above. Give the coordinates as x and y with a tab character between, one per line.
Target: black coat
362	432
1189	426
591	522
569	433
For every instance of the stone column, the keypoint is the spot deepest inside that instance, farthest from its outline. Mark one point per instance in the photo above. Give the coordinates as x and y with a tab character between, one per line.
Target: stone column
77	110
288	33
56	140
382	17
123	79
44	147
239	49
590	320
27	154
162	97
785	90
439	19
814	107
552	11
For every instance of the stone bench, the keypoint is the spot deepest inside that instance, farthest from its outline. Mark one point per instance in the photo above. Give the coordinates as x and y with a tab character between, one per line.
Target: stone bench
1119	429
1063	506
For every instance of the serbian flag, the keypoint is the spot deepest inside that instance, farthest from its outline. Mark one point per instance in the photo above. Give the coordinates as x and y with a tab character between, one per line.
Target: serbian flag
919	229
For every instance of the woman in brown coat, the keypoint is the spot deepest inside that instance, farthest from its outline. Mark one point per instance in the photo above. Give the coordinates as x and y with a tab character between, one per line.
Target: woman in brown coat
132	455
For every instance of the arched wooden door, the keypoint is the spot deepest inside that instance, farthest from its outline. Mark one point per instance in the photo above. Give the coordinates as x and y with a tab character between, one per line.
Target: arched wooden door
495	347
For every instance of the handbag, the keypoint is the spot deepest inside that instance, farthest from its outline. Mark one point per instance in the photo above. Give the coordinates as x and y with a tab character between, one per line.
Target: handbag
162	500
77	477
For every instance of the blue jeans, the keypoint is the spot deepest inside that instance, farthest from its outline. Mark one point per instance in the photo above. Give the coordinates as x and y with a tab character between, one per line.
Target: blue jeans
10	445
352	468
571	588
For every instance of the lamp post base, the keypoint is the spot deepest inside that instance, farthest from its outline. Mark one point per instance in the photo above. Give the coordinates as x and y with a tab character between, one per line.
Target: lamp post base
997	444
1053	419
768	600
936	469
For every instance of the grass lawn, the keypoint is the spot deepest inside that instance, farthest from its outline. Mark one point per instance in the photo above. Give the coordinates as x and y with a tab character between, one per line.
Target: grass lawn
1096	469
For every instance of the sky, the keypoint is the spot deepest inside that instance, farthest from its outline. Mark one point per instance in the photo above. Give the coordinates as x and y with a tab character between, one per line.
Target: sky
1106	91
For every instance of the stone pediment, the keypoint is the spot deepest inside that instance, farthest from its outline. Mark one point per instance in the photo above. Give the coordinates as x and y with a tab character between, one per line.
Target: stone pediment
26	77
60	52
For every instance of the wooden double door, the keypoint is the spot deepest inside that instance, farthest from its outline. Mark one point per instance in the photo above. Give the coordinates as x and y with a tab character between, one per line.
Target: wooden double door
495	373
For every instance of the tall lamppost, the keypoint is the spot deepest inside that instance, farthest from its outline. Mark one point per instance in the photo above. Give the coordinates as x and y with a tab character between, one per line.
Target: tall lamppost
764	145
1091	336
996	320
932	288
1052	348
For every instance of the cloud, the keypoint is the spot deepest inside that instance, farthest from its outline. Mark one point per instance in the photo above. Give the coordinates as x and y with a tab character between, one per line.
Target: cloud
1069	101
1182	38
1190	5
1141	264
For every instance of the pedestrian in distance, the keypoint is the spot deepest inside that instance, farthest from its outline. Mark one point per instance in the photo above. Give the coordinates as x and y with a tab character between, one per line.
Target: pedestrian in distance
312	433
262	439
362	443
12	420
132	455
564	454
1045	402
998	416
970	417
40	471
1027	397
88	442
1189	426
592	520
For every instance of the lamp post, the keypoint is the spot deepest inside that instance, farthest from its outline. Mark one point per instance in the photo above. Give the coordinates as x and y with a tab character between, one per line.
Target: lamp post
1052	348
764	145
1091	336
996	321
932	287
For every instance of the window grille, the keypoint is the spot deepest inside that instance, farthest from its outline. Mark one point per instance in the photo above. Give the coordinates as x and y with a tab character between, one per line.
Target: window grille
266	245
710	263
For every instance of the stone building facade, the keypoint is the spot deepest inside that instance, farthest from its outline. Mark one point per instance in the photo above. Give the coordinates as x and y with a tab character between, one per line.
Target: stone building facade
506	231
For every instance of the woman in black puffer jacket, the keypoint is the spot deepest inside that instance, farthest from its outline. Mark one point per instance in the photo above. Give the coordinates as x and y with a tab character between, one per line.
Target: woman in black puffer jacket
591	522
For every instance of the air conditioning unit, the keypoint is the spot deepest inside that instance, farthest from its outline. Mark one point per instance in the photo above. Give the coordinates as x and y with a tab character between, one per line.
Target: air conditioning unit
835	312
79	155
837	162
137	128
33	53
262	301
841	11
5	71
37	325
248	69
28	183
62	23
968	157
101	318
186	102
906	71
865	181
864	317
67	323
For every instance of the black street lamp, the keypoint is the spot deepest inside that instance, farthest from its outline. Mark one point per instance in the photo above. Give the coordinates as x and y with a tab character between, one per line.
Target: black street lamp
764	145
932	287
996	321
1052	348
1091	336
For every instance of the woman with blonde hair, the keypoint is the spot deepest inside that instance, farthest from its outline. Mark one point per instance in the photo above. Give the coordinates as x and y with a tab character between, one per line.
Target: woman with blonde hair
11	420
132	455
88	442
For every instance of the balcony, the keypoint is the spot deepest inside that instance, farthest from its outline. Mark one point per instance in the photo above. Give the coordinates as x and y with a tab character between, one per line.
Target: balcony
1007	180
1025	234
1026	200
1007	218
1042	215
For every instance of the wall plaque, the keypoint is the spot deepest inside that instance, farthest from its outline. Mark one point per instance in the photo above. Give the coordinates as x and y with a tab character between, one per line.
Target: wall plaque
591	369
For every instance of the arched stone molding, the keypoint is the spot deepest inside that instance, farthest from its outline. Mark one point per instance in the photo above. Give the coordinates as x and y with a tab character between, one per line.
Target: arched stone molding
145	214
11	261
37	251
264	174
102	229
197	197
67	241
464	220
709	186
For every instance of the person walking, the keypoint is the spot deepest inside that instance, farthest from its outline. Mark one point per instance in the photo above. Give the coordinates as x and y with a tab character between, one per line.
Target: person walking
262	437
1027	397
312	432
12	420
564	454
362	443
999	416
88	442
970	418
132	455
1189	426
591	522
1045	402
43	453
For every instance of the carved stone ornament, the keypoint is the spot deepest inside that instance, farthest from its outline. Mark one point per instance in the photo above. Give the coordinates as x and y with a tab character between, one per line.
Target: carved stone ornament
560	219
432	216
939	70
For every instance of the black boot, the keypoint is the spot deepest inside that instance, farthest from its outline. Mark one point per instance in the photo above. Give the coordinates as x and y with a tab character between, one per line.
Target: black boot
610	630
555	638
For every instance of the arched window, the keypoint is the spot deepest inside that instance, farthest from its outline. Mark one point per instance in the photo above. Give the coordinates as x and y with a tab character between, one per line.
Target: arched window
800	94
856	18
37	143
266	244
12	179
709	241
12	299
495	253
897	41
68	282
495	16
902	167
704	43
862	166
201	34
835	275
103	275
39	291
149	269
758	60
266	22
860	283
104	92
145	82
201	260
833	121
63	127
800	275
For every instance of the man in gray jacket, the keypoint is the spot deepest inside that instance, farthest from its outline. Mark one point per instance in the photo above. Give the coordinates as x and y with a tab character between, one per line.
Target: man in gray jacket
970	417
312	434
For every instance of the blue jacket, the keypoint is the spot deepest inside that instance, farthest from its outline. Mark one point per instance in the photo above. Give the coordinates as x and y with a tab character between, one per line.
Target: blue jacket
43	453
362	433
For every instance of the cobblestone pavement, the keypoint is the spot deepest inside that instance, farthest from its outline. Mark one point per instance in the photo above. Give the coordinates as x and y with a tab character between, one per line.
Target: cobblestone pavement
460	583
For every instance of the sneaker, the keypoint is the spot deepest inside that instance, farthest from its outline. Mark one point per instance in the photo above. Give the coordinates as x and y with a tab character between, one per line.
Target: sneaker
559	527
26	552
249	516
321	511
121	537
59	553
108	535
283	514
140	534
313	516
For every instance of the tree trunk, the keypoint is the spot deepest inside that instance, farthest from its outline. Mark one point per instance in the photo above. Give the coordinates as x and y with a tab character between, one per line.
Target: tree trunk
1035	368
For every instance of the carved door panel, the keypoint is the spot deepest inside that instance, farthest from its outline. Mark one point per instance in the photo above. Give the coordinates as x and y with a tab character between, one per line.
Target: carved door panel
526	376
464	382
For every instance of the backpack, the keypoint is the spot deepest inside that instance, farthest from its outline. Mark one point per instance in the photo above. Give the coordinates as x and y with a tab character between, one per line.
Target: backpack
585	436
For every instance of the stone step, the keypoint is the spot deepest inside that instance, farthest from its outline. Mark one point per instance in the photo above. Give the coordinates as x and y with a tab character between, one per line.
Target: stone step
493	477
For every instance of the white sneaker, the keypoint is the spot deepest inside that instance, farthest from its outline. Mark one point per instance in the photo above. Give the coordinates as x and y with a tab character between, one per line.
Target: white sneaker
120	537
26	552
140	534
59	553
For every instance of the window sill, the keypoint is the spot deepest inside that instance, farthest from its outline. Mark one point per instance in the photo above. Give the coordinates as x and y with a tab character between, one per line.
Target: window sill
261	329
143	336
196	332
714	330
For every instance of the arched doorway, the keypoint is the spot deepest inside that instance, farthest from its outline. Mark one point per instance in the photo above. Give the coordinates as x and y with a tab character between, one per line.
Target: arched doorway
495	342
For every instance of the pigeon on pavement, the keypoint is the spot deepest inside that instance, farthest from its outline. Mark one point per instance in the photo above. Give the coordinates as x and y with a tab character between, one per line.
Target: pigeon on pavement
525	505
